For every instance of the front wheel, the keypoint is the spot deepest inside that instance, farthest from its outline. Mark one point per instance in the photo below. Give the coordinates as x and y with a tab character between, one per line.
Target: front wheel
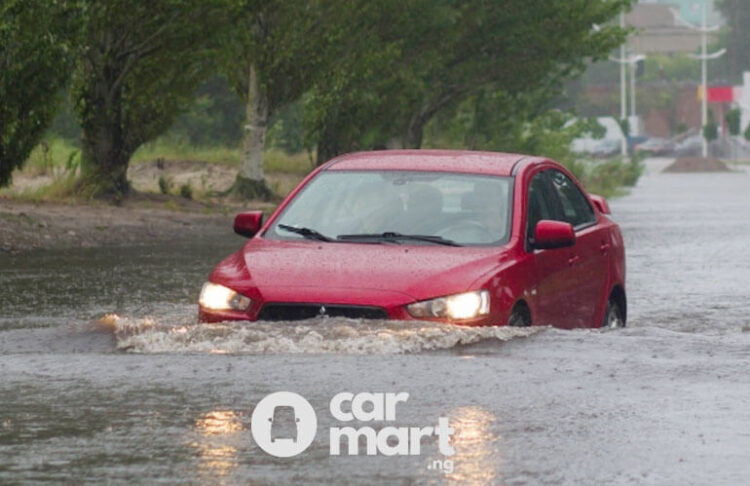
519	317
613	317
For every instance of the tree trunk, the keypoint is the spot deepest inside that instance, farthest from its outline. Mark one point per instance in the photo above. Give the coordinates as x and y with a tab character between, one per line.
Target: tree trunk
414	132
105	156
251	183
328	146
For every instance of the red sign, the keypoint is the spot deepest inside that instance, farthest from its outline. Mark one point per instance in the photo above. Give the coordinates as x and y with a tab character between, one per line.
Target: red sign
719	94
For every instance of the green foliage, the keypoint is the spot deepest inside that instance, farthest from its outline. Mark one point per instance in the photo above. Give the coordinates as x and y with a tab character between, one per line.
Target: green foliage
142	63
733	119
672	69
710	130
410	62
36	52
624	126
249	189
286	41
737	15
286	130
214	119
52	154
186	191
606	178
176	148
73	161
747	133
165	185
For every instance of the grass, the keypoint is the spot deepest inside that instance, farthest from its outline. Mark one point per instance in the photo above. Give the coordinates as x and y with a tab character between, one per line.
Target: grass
274	160
62	187
60	159
52	155
161	149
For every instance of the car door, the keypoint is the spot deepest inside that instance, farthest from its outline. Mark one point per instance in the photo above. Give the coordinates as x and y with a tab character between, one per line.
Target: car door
551	292
587	259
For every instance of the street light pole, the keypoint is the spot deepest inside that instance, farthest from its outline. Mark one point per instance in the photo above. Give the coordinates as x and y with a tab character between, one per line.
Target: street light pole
704	81
623	89
624	61
633	67
704	57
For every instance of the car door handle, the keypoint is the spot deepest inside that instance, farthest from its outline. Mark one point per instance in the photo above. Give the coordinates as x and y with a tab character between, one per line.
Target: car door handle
573	259
604	247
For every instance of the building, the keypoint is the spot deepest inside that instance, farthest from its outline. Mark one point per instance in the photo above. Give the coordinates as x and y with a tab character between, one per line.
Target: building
658	31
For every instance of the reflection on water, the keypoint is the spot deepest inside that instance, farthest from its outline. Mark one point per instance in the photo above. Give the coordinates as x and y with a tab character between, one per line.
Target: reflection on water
217	445
476	460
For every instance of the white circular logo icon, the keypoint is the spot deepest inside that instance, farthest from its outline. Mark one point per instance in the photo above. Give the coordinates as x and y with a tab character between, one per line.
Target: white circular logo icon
283	424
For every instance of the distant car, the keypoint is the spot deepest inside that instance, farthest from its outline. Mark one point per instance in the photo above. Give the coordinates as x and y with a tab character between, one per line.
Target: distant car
607	147
473	238
690	146
656	146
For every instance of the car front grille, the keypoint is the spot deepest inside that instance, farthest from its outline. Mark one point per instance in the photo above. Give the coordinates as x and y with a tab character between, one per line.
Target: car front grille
296	312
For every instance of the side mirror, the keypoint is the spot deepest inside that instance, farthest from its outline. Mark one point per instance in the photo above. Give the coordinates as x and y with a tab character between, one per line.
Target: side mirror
553	234
249	223
600	203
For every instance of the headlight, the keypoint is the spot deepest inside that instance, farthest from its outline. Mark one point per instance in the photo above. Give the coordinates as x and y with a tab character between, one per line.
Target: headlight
217	297
459	306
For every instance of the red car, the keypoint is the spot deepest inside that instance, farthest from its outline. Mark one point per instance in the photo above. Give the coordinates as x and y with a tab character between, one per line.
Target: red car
474	238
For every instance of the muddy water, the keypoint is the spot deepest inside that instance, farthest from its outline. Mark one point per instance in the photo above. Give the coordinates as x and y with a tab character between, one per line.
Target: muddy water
104	376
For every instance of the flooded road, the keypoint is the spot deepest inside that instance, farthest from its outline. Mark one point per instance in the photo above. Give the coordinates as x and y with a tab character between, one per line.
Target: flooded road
104	376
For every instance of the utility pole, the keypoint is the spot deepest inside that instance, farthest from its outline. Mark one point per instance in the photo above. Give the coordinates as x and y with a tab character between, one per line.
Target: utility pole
623	90
704	57
624	61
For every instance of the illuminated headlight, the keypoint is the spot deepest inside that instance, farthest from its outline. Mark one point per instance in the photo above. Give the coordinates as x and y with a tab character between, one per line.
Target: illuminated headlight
459	306
217	297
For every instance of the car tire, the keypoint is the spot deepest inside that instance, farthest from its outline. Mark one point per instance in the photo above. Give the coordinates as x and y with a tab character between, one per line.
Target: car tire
613	317
519	317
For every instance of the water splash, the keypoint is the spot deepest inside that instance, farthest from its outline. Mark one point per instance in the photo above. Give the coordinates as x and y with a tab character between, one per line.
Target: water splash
315	336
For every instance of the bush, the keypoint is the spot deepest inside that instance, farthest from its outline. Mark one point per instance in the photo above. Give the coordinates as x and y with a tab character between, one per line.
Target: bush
186	191
165	185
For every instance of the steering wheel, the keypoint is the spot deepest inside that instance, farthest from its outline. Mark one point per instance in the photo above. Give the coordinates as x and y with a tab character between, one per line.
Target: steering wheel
467	230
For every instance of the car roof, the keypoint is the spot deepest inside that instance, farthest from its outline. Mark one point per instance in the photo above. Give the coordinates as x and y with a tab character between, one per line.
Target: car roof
469	162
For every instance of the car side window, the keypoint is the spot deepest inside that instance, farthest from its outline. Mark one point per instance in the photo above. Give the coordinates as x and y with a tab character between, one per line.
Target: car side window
540	203
575	206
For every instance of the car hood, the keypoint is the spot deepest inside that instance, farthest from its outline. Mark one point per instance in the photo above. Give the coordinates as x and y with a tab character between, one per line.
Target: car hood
320	269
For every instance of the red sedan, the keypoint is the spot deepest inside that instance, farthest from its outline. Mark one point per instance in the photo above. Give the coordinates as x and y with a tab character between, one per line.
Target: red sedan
474	238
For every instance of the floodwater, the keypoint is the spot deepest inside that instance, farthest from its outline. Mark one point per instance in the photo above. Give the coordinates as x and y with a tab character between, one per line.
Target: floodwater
105	376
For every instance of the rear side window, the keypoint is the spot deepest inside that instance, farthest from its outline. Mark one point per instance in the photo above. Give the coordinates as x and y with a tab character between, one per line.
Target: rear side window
575	206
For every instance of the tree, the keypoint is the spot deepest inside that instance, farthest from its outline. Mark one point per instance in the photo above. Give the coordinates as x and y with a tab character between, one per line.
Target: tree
141	63
710	130
272	53
428	56
36	53
737	15
733	118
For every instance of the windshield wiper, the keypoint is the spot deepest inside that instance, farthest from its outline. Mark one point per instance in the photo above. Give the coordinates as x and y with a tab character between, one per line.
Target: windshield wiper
393	236
308	233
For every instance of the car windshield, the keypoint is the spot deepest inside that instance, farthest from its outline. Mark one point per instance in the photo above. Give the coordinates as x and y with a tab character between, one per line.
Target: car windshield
404	207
